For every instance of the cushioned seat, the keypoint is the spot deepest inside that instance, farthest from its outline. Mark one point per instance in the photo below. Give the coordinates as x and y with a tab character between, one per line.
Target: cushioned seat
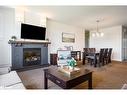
91	57
11	80
124	86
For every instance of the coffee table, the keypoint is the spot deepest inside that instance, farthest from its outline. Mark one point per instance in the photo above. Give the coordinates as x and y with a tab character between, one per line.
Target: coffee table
65	81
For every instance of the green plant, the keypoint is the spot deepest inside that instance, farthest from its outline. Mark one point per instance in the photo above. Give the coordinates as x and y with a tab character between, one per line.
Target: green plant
71	62
13	37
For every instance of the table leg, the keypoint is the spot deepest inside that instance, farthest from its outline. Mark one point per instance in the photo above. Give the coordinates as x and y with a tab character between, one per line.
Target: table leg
95	61
84	58
45	81
109	61
83	61
90	81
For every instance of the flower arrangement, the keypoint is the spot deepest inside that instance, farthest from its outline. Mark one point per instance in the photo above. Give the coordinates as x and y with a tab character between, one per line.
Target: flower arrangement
72	63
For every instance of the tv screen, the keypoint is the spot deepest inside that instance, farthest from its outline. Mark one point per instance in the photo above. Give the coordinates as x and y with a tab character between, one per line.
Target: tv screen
32	32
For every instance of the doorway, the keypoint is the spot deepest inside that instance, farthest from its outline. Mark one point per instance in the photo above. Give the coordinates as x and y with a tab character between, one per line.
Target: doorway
87	37
124	43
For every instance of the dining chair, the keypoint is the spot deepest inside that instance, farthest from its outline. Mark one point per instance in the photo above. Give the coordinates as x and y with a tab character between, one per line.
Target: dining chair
85	53
100	57
108	59
76	55
88	52
92	50
96	59
105	56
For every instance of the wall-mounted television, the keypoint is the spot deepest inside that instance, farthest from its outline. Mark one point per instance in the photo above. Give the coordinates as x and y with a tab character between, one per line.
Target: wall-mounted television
32	32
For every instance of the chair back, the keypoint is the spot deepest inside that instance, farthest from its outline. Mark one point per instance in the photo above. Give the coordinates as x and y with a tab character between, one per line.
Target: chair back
85	50
92	50
105	52
74	54
101	55
110	52
89	50
109	55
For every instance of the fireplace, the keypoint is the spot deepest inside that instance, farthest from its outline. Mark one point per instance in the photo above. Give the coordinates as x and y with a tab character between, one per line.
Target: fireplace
31	56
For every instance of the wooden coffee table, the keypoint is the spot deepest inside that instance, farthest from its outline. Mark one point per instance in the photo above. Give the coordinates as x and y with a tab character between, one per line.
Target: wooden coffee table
65	81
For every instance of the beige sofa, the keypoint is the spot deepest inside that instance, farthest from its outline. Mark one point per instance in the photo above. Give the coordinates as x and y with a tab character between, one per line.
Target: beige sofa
9	79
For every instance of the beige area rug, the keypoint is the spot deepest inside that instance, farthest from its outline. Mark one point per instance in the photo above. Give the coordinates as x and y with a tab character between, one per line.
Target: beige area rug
111	76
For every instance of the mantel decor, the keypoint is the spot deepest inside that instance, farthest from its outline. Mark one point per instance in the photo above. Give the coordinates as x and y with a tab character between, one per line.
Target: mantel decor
70	68
69	48
13	38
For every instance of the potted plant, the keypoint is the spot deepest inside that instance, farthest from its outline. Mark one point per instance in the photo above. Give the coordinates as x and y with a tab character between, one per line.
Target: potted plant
71	63
13	38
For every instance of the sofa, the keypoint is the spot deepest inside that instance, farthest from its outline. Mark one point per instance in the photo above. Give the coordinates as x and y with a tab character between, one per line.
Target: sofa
9	79
124	86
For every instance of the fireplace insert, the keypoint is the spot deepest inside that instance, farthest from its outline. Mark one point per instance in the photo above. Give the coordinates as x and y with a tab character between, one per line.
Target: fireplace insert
31	56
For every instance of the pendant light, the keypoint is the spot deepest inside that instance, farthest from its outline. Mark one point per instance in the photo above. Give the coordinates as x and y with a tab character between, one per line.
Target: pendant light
97	33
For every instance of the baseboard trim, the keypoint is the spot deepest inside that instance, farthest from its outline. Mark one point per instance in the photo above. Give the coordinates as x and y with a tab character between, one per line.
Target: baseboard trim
116	61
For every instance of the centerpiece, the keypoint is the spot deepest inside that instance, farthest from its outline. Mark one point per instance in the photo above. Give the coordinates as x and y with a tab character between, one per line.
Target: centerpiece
70	68
71	63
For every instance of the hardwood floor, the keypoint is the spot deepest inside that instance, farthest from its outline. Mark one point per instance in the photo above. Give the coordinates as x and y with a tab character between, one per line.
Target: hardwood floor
111	76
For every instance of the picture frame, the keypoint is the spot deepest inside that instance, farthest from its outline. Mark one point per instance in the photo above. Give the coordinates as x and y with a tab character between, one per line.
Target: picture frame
63	56
69	48
68	37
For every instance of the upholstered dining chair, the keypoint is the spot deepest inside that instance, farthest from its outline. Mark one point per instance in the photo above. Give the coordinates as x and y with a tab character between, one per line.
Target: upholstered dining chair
92	50
87	52
96	59
108	58
105	56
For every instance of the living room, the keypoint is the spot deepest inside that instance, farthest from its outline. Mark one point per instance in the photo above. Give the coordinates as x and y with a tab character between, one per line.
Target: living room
60	22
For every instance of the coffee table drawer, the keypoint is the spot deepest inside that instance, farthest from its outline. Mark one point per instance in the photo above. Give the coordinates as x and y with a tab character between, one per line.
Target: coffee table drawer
56	80
66	83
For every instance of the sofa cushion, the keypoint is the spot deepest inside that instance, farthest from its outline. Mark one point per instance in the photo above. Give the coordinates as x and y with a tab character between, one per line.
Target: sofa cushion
4	70
9	79
124	86
16	86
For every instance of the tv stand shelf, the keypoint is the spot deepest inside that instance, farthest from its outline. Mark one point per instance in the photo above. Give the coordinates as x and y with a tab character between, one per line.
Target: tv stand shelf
28	42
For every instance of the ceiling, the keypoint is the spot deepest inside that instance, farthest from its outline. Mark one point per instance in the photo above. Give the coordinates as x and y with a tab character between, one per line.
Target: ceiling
84	16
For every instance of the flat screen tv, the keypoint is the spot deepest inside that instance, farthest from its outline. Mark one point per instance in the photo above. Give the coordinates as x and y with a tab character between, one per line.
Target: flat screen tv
32	32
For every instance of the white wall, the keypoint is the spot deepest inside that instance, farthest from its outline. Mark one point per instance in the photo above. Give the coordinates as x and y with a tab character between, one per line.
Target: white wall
27	17
6	31
9	27
55	30
112	39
